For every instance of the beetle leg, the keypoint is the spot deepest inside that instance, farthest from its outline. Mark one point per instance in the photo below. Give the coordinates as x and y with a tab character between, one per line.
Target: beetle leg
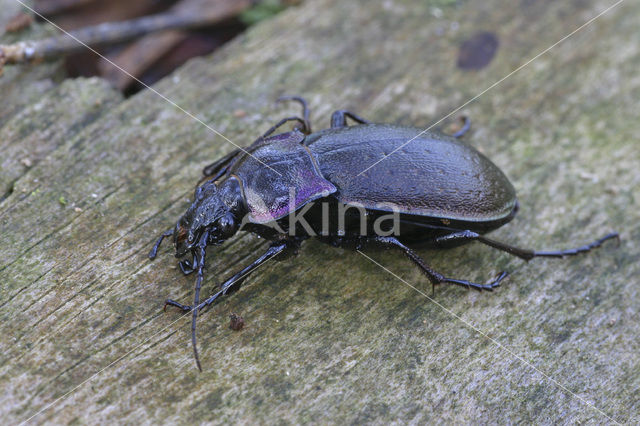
305	126
187	267
217	169
436	277
466	125
154	250
305	108
235	282
339	118
171	302
525	254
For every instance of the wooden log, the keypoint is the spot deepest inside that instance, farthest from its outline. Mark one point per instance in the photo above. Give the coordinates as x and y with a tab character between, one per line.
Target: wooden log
330	337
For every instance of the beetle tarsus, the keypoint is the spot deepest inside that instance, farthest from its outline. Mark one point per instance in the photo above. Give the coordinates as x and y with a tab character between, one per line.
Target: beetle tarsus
488	287
466	125
171	302
188	267
578	250
476	286
185	267
526	254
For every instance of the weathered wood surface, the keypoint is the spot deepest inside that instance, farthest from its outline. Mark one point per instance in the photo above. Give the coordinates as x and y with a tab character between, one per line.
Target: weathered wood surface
330	336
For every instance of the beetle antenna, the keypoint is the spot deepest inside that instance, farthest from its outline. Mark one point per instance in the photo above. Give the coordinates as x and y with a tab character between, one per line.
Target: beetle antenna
154	250
202	245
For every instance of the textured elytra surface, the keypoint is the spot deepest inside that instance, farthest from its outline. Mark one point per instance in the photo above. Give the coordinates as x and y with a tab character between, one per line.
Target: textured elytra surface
329	336
401	169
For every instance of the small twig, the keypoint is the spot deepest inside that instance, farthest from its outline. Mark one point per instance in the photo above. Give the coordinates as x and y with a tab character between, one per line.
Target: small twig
19	22
59	6
185	15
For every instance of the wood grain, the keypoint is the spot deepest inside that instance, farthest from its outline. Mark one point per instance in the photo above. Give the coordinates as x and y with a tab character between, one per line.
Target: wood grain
329	337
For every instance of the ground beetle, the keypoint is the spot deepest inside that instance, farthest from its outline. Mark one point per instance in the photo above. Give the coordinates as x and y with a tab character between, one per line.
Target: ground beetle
434	191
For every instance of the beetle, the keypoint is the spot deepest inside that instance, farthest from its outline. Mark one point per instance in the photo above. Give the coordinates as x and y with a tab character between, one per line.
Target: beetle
436	191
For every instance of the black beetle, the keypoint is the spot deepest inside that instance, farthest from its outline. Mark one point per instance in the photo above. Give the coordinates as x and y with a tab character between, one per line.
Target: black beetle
436	190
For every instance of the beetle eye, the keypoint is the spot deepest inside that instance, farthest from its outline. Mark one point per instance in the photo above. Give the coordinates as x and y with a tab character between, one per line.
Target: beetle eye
227	225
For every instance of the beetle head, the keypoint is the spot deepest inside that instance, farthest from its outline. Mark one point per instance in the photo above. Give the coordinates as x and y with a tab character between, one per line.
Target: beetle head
216	208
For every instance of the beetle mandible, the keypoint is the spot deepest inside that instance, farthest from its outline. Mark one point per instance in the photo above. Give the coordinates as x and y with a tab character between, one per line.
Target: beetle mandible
436	190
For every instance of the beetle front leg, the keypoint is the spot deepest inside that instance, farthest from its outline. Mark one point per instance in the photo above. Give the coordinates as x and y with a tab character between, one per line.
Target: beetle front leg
436	277
525	254
188	267
339	118
235	282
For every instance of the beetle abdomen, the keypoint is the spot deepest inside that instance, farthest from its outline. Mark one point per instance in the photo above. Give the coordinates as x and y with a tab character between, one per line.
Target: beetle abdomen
433	175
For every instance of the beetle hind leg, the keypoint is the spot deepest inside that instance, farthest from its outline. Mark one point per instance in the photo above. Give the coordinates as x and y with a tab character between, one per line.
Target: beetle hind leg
339	118
434	276
525	254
